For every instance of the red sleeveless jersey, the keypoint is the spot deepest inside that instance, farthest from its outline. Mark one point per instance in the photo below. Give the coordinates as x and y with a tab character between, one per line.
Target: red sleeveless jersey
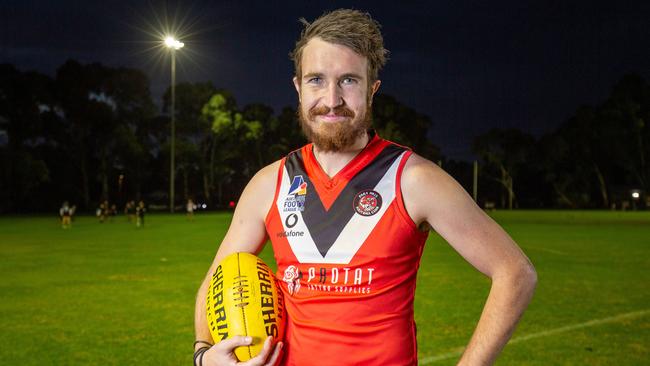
347	254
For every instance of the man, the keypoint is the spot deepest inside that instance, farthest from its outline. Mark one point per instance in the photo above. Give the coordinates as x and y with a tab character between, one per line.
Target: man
140	210
190	207
129	211
66	213
348	217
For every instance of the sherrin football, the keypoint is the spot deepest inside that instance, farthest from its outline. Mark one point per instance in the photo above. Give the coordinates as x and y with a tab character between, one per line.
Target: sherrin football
244	300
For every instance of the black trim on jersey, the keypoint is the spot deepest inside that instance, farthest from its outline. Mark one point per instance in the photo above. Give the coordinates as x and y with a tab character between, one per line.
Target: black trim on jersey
325	226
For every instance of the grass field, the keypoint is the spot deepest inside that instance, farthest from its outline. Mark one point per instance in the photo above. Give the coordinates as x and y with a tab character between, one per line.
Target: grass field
111	294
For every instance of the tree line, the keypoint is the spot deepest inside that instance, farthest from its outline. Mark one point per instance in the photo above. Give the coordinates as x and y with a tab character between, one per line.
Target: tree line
597	158
92	133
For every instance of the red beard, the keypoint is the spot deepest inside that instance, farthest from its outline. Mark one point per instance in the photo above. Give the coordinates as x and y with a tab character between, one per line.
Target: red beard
336	136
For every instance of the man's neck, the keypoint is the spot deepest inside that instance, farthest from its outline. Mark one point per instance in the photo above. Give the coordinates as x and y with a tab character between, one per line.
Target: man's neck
333	161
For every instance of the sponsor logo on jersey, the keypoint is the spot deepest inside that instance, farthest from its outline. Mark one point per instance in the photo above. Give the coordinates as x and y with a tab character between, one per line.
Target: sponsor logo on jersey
289	223
290	234
350	280
367	203
291	220
295	200
292	276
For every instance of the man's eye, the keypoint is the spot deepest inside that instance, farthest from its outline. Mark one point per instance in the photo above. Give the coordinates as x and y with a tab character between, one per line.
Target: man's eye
314	80
348	81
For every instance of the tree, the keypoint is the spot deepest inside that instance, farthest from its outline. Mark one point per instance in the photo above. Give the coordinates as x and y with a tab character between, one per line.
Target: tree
399	123
195	141
569	176
628	109
24	97
264	120
99	103
505	152
603	146
231	131
283	135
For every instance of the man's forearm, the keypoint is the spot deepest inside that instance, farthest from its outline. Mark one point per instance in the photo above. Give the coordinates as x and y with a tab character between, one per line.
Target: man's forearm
509	296
201	330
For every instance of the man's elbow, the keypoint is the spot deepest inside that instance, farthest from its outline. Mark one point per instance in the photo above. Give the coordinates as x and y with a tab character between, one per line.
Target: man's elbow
525	277
520	276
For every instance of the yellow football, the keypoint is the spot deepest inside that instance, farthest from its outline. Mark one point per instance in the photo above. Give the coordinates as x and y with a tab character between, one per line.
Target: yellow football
244	300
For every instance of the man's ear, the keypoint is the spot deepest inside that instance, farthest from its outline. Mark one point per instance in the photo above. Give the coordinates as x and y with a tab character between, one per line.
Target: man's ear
373	89
296	84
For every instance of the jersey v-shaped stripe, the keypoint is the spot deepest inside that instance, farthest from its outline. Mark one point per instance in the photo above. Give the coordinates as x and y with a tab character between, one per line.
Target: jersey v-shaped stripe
334	235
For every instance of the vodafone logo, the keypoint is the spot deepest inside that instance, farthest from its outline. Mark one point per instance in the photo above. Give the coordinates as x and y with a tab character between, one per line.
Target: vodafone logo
367	203
291	220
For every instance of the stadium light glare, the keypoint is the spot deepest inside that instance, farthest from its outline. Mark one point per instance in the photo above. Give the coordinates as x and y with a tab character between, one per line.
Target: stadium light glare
173	43
636	195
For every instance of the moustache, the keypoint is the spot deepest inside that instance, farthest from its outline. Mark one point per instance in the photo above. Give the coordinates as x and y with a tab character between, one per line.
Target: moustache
341	111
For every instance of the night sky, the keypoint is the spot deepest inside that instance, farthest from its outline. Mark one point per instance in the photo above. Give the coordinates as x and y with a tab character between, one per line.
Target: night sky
468	65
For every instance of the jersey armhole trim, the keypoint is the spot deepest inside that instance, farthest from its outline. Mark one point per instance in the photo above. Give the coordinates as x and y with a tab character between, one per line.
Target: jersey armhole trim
278	183
401	208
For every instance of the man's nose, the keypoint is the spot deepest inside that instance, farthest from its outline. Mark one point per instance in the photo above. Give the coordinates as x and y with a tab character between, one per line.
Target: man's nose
333	96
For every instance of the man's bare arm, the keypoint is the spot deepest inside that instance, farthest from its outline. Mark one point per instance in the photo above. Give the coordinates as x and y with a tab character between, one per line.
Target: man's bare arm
432	196
247	233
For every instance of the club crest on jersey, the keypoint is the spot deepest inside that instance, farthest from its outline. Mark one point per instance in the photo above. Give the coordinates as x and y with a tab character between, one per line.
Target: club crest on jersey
367	203
295	200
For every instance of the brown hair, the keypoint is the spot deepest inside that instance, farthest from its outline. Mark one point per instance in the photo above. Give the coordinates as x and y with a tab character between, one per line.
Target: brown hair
346	27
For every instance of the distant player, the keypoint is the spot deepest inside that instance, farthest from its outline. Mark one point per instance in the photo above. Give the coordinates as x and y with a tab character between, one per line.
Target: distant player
66	213
112	212
348	215
190	207
140	210
104	211
129	211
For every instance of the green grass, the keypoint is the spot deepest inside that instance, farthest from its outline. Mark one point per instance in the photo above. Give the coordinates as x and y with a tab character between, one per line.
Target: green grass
111	294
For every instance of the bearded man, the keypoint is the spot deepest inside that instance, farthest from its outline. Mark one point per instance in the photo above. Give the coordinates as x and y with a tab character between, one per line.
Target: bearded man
348	215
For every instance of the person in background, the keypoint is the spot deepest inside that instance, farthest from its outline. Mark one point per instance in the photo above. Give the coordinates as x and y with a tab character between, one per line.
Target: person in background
112	212
102	211
128	210
66	215
73	210
140	210
190	207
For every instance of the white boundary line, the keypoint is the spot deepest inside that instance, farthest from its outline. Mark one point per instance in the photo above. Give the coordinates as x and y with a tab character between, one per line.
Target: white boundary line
459	351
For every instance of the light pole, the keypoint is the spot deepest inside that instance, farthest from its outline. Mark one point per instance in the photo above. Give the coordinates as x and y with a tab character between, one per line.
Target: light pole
174	45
